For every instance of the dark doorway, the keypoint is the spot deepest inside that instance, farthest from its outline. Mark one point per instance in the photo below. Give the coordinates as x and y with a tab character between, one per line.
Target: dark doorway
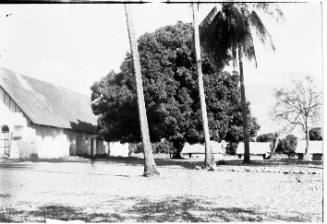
5	140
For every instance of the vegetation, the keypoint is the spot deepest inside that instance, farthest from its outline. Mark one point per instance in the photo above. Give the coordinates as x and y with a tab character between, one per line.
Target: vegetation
315	134
227	34
269	137
157	147
171	94
299	105
231	148
287	145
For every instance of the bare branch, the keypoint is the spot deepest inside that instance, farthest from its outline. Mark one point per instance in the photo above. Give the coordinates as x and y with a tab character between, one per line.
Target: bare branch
299	105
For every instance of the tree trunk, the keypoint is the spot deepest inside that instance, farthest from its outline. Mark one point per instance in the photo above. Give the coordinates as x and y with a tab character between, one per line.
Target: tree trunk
244	115
178	145
209	159
276	143
306	140
150	168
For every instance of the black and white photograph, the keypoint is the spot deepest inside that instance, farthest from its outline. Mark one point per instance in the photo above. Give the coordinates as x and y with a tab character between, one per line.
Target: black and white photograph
162	111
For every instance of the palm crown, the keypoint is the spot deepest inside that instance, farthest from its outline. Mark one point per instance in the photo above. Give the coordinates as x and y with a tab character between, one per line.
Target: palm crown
232	26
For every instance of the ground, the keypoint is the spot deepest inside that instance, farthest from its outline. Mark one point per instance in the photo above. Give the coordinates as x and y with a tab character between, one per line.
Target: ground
114	191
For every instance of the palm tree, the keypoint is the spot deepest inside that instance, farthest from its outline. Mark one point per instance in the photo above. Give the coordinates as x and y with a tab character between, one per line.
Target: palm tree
227	34
209	160
150	168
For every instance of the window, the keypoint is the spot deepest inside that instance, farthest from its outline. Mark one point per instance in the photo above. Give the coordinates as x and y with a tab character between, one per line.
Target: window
4	129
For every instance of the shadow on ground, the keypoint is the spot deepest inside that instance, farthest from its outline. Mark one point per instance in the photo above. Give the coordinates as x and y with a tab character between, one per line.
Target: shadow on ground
14	166
178	209
190	164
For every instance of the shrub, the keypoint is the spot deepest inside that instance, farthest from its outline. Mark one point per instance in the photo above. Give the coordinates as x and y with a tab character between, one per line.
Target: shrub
269	137
287	145
159	147
231	148
34	156
135	147
162	147
315	134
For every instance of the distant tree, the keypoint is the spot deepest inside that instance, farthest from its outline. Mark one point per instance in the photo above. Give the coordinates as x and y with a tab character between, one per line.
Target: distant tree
299	105
269	137
287	145
315	134
171	94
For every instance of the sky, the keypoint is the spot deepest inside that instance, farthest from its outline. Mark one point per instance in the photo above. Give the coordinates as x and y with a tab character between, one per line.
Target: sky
75	45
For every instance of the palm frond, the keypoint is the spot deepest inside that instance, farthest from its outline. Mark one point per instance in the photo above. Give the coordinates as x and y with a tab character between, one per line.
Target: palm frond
270	9
248	48
233	24
261	31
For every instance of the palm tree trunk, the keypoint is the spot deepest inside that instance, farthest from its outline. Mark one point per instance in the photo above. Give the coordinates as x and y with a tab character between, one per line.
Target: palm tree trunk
244	114
150	168
209	159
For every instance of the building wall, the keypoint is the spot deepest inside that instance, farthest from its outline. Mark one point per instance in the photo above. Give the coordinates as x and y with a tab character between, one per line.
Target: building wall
50	142
28	140
117	149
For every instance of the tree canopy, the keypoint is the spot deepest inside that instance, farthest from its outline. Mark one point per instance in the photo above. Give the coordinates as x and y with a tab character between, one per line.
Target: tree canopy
171	94
287	145
269	137
299	104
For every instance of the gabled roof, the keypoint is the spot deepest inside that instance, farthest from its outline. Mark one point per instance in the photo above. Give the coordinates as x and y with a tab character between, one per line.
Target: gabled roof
47	104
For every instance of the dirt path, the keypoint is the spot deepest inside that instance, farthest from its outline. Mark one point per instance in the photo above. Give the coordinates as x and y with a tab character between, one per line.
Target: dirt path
107	191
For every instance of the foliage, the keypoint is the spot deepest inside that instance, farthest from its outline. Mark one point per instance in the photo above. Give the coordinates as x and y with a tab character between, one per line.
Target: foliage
135	148
287	145
171	93
162	147
315	134
269	137
227	34
232	26
231	148
298	105
157	147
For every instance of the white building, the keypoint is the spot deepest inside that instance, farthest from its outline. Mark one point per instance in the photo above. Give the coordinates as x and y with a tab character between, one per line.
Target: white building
217	149
41	120
256	148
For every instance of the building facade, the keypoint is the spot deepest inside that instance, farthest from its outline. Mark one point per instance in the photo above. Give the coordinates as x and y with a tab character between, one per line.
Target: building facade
41	120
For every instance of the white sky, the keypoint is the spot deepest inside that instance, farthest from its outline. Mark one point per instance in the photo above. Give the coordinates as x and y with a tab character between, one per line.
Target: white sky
75	45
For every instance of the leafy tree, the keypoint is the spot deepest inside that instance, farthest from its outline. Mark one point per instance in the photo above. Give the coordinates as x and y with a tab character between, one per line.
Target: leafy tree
150	168
269	137
299	105
287	145
227	33
315	134
171	94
